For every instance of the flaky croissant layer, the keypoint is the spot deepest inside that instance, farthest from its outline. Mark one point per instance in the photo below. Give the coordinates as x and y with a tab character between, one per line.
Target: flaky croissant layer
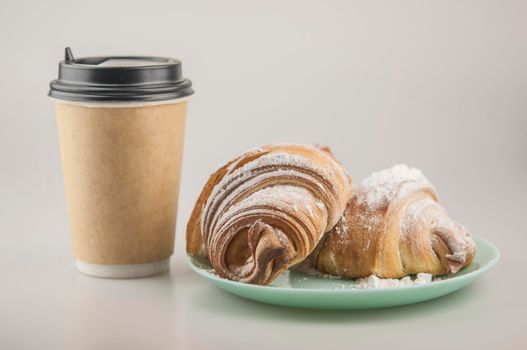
267	210
393	226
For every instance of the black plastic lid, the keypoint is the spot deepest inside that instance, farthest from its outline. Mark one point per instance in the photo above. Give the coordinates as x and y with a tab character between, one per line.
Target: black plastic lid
119	79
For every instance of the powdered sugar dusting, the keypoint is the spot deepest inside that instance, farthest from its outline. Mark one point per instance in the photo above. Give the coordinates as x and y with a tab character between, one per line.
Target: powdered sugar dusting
298	197
386	185
341	229
413	212
244	179
368	222
307	279
376	282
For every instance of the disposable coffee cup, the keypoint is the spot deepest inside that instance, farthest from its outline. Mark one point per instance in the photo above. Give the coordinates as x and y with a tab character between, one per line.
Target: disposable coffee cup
121	125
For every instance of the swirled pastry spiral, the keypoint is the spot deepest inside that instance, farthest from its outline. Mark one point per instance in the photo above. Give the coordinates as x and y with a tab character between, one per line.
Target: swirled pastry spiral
267	210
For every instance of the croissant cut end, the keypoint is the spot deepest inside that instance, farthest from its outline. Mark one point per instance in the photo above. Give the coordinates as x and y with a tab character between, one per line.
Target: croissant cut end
455	250
254	254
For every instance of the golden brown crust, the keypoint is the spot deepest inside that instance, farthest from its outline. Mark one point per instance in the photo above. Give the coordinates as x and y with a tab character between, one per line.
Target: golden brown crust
266	210
392	230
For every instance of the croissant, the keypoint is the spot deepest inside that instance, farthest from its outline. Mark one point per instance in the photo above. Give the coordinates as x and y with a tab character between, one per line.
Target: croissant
392	227
267	210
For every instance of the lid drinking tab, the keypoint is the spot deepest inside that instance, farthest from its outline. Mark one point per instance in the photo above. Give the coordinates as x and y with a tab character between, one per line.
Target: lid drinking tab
68	55
119	78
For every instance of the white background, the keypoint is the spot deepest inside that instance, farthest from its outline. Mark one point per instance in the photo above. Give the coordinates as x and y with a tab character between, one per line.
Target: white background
440	85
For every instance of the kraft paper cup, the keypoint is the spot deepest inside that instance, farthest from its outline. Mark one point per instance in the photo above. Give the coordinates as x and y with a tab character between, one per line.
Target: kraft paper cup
121	168
121	162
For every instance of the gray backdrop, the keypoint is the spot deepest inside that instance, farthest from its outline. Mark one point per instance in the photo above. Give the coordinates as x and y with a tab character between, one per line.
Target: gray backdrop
440	85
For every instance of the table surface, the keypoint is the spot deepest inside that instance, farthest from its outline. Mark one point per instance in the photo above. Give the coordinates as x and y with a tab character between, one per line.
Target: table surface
46	303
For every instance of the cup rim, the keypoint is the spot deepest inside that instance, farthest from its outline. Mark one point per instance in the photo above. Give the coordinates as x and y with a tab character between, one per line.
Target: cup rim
120	104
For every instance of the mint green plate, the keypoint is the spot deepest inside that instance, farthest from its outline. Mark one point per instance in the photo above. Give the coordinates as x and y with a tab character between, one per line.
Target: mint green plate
296	289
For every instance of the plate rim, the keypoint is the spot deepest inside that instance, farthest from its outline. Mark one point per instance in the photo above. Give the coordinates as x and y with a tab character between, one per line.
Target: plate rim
271	289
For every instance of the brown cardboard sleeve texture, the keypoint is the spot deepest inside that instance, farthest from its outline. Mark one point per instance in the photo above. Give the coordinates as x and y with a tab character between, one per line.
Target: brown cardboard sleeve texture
121	170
